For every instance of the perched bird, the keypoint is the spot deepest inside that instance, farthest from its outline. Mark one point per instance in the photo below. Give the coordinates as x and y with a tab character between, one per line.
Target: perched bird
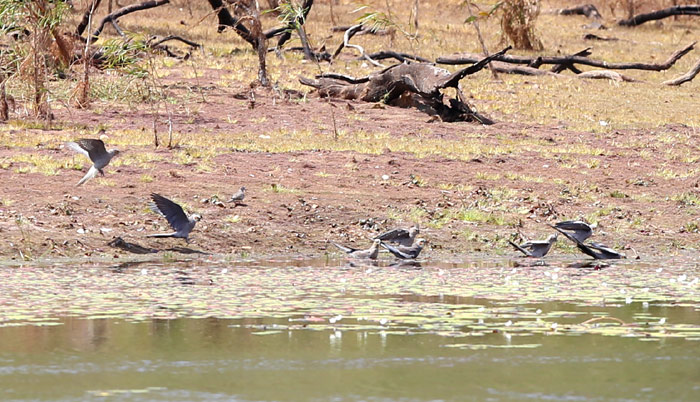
175	216
370	253
536	248
595	250
406	252
580	230
238	197
95	150
402	237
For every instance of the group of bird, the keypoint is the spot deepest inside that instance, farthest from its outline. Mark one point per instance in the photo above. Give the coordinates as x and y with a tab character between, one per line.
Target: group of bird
179	221
576	231
402	243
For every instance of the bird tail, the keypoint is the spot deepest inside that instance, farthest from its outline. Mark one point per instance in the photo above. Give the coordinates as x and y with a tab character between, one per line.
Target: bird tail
89	175
522	250
342	248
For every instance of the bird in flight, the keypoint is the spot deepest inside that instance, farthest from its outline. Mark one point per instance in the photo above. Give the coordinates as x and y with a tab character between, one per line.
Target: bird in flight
370	253
176	217
402	237
536	248
595	250
95	150
580	230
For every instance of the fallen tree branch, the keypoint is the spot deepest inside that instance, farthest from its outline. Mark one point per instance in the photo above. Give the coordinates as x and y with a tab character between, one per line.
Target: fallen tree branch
468	58
346	39
591	36
660	14
455	77
174	37
606	75
685	77
589	10
364	31
401	57
86	17
112	17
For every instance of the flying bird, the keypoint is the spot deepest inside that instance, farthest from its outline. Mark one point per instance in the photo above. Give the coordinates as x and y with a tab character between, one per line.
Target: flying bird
95	150
238	197
176	217
536	248
580	230
595	250
406	252
402	237
370	253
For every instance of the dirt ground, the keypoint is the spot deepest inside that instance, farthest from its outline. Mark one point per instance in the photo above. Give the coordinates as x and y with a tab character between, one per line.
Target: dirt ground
298	200
622	155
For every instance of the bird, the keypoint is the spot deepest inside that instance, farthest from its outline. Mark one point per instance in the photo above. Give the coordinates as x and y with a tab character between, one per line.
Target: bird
95	150
402	237
595	250
370	253
578	229
536	248
406	252
176	217
238	197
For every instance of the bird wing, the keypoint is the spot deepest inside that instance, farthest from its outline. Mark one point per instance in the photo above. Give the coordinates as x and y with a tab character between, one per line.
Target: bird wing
395	234
343	248
573	225
396	252
94	148
582	230
606	252
172	212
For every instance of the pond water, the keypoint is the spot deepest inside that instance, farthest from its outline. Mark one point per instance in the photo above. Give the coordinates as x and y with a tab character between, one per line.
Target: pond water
295	330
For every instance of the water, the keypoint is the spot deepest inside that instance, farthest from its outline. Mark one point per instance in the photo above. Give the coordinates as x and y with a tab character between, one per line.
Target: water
296	330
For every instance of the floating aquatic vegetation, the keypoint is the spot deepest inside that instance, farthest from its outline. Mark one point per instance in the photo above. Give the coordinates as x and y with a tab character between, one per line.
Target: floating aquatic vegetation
452	300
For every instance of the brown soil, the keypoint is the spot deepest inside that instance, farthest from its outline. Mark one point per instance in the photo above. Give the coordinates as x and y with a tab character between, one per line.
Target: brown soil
339	196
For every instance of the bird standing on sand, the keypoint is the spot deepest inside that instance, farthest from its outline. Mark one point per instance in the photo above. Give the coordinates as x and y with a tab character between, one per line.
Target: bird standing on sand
406	252
536	248
402	237
175	216
95	150
595	250
580	230
238	197
371	253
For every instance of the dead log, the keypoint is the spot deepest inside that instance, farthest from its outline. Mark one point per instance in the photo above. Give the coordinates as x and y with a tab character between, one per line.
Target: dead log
468	58
660	14
589	10
407	85
112	17
685	77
